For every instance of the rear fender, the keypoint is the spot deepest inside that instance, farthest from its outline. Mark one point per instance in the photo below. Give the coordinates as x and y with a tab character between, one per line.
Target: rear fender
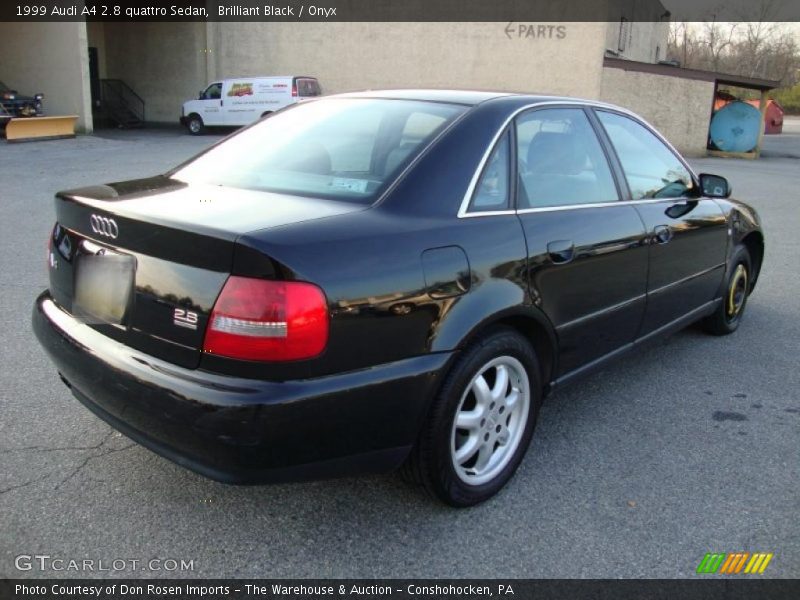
500	302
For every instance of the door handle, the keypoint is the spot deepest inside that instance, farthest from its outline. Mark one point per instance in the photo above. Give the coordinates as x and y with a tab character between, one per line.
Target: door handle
662	234
561	251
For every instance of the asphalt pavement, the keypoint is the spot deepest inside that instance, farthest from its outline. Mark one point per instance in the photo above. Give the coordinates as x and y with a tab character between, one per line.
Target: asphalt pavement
691	446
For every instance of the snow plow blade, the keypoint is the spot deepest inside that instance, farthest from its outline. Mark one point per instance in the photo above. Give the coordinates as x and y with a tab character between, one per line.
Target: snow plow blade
40	128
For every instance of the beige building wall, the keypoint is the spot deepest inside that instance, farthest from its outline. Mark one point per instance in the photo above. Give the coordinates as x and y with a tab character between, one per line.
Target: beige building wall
679	108
49	58
168	63
357	56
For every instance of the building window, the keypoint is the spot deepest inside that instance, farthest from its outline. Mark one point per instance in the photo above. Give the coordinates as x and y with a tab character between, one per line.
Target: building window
624	26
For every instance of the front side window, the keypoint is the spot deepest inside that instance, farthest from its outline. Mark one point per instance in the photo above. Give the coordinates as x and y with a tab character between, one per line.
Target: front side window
651	168
213	92
337	148
560	160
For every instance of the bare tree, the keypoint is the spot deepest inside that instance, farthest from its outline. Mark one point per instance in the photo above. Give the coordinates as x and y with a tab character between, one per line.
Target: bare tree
754	49
681	44
756	46
718	38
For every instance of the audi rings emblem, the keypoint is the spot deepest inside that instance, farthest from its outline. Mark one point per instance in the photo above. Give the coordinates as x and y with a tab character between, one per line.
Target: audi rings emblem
104	226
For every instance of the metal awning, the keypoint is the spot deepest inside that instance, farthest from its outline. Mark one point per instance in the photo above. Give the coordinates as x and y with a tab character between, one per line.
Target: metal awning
753	83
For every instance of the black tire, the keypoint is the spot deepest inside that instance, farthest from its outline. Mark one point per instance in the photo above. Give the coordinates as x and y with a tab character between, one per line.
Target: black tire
432	461
195	125
725	320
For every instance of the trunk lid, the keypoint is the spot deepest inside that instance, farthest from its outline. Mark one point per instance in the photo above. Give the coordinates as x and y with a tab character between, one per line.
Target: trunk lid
143	261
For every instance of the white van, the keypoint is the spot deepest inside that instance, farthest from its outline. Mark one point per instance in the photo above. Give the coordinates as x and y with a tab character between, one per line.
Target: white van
240	101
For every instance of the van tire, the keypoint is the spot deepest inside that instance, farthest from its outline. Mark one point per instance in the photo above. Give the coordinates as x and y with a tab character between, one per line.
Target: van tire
195	125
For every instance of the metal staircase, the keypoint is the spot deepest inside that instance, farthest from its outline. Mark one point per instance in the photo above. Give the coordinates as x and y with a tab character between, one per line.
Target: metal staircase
120	105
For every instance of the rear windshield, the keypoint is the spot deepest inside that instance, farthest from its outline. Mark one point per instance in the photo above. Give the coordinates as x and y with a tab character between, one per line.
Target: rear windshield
339	148
307	87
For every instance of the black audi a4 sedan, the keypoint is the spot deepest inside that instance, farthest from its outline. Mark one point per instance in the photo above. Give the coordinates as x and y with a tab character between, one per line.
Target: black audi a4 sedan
385	279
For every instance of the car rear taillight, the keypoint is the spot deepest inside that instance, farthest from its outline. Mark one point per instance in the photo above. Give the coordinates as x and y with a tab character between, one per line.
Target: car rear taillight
294	90
257	319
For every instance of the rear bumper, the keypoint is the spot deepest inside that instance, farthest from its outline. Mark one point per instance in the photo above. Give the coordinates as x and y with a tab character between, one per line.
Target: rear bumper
241	430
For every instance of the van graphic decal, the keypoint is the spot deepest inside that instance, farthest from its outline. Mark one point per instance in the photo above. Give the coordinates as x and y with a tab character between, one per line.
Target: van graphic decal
241	89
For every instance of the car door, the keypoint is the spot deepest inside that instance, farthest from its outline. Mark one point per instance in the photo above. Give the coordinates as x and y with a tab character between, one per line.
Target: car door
587	258
211	105
687	232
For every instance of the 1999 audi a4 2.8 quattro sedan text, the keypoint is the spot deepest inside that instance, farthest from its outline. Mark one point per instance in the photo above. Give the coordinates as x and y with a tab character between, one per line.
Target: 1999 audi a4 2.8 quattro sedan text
381	279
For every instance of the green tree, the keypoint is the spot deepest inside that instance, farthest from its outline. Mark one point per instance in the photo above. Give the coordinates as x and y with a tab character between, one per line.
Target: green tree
788	98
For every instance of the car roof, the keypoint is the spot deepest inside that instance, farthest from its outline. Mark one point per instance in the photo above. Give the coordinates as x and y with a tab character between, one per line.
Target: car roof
468	97
267	77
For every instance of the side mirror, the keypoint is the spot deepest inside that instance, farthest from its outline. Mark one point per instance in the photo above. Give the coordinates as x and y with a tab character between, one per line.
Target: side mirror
201	95
714	186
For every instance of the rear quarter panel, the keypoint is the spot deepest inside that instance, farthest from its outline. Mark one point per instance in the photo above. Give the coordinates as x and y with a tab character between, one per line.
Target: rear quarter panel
370	266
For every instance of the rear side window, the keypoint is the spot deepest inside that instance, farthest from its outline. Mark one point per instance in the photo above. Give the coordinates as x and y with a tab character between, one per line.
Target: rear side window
651	168
307	87
339	148
493	189
560	160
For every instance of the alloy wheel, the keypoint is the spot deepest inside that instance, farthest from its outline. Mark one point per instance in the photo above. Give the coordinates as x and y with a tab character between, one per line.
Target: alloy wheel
490	420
